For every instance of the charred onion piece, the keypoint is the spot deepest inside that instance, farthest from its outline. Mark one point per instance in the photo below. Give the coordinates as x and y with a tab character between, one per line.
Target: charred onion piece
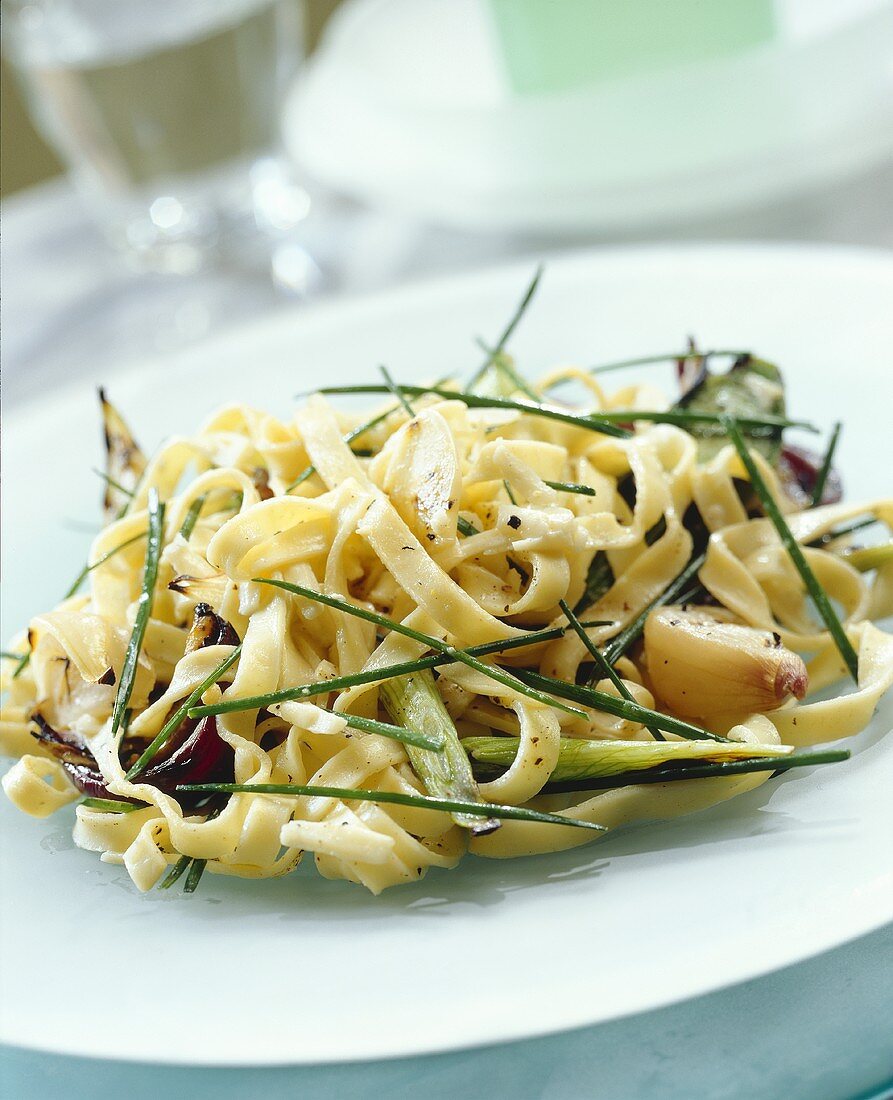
208	628
197	754
124	459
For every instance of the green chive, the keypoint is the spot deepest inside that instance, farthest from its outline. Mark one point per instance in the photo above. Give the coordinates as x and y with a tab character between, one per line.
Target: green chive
175	872
602	665
396	391
509	328
672	356
395	733
822	478
842	532
110	481
509	493
465	528
594	422
85	572
191	518
620	708
502	363
605	421
571	487
461	655
370	676
355	433
112	805
144	610
631	632
702	771
819	597
195	873
397	798
173	724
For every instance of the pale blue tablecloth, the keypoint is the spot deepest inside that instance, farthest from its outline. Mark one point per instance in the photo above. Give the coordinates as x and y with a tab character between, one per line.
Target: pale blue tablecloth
822	1030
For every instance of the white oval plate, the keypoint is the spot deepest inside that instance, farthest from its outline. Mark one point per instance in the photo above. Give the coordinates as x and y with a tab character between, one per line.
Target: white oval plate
302	970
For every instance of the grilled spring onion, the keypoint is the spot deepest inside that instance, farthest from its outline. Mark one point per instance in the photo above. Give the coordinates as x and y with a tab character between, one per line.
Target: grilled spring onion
773	513
397	798
415	703
144	610
579	759
701	771
865	558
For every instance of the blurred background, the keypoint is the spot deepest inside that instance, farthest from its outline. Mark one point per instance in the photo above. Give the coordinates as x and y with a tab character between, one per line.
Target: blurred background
173	167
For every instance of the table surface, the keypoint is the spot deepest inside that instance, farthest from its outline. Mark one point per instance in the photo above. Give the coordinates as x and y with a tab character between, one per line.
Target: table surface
819	1030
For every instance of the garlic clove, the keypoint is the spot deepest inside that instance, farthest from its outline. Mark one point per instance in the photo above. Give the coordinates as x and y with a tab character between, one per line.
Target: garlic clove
703	663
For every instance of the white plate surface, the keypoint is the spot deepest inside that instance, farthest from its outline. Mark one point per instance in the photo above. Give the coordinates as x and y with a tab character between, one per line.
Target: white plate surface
303	970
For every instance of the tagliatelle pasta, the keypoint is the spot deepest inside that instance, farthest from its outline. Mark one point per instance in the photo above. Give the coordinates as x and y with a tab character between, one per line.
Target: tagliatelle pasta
466	533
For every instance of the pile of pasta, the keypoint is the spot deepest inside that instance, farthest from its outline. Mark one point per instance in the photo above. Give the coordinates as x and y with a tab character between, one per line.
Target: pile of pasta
377	524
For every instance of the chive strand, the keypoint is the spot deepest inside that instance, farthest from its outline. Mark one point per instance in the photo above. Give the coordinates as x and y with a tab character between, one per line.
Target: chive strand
606	421
631	632
669	357
620	708
571	487
602	664
369	676
465	528
395	733
191	517
111	805
825	469
594	422
88	569
144	610
194	877
175	872
773	512
509	329
492	671
396	391
397	798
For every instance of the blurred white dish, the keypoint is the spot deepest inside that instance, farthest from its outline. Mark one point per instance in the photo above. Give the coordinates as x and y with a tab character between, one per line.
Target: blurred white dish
404	107
303	970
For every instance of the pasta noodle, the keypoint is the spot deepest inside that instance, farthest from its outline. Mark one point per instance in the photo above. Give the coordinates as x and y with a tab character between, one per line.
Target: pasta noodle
467	525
